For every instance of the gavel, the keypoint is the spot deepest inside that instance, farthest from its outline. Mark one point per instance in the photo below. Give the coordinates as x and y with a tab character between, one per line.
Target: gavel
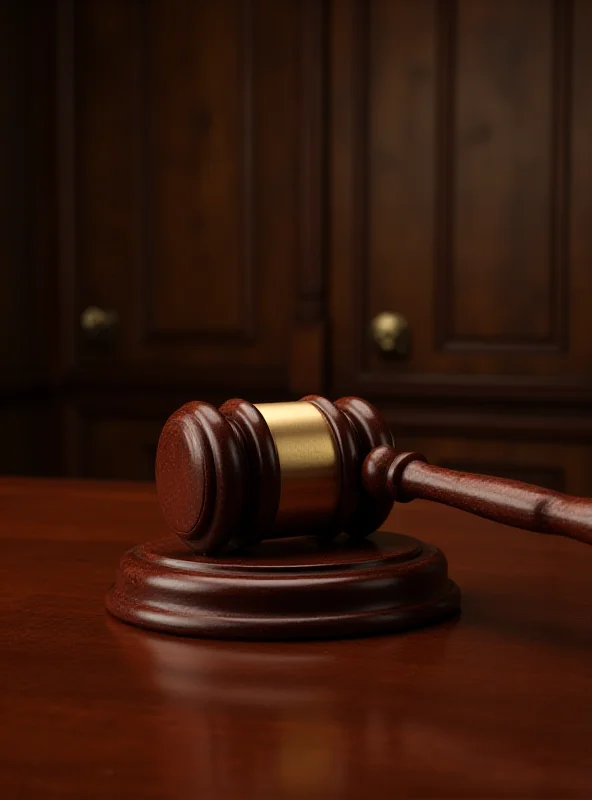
233	476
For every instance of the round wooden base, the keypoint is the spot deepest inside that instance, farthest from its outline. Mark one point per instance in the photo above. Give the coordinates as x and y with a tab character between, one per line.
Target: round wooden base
299	588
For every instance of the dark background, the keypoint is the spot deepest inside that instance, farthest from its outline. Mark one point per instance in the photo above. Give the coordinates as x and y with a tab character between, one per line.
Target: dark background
215	199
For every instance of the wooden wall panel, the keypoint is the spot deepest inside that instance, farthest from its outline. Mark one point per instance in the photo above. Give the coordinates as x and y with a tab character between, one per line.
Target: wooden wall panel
113	435
394	162
29	437
502	268
194	143
201	120
580	195
119	448
17	446
14	250
28	434
27	256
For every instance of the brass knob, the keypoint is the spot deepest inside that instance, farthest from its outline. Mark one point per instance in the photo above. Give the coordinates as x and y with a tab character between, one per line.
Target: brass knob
390	331
98	322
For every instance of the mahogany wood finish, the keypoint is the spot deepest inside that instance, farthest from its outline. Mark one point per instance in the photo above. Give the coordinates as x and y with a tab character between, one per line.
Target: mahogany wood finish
565	464
219	477
248	183
298	588
218	474
496	703
460	197
177	208
456	140
406	476
220	481
27	261
27	139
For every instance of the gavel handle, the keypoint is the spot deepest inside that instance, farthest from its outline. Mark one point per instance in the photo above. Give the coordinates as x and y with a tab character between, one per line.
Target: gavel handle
407	476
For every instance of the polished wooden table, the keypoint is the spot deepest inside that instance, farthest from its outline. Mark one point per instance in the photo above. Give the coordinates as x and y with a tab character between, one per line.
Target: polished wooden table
497	703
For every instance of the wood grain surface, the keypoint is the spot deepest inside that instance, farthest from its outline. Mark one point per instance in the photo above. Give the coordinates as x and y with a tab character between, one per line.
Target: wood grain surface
298	588
495	704
407	476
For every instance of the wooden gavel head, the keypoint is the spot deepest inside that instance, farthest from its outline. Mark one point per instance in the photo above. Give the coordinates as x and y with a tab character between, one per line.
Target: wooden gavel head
242	473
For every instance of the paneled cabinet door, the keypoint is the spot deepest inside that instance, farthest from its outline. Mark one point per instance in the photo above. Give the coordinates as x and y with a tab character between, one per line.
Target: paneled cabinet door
460	146
183	200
